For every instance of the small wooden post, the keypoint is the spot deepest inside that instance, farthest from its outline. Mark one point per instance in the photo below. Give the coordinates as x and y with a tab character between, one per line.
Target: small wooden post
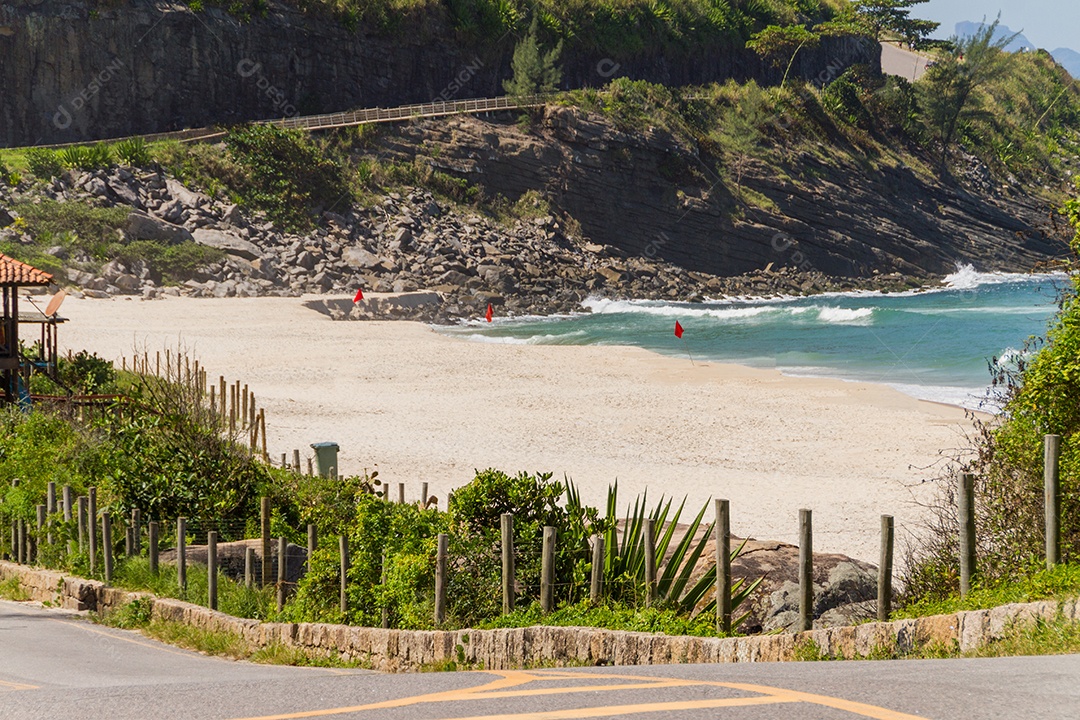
282	567
596	585
312	541
284	460
966	503
1052	498
884	578
401	493
440	578
20	553
136	532
507	522
157	365
50	508
310	469
41	519
128	541
181	554
262	431
244	407
547	571
211	569
343	552
81	505
264	524
213	400
382	579
221	399
152	546
722	532
107	546
249	567
649	540
423	495
296	461
91	525
66	502
806	571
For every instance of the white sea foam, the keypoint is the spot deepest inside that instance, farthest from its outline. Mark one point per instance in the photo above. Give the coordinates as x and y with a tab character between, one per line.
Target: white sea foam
846	316
967	277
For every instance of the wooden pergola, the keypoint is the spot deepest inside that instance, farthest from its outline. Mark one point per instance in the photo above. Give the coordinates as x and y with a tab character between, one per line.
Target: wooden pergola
14	368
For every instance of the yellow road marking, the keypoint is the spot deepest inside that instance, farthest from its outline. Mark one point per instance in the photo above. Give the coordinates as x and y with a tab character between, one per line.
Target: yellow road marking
4	684
501	688
594	712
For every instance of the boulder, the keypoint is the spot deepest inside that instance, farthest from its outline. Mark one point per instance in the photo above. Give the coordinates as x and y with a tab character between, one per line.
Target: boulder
230	557
141	226
228	242
187	198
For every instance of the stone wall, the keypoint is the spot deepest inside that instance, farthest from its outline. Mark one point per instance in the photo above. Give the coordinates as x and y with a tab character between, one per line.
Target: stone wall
409	650
76	71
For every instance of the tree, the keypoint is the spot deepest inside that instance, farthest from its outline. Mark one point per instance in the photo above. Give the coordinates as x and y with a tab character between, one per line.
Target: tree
950	92
535	72
778	44
893	16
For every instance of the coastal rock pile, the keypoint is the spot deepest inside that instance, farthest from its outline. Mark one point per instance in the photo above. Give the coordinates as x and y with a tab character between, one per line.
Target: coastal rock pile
400	244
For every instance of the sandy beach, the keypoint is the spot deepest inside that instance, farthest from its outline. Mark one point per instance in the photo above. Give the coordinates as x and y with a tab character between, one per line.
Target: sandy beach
423	407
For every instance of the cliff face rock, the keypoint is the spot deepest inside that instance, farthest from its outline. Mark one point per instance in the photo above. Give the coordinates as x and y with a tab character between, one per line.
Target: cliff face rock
70	72
636	191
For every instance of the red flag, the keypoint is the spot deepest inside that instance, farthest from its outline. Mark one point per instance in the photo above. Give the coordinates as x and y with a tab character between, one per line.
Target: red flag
359	296
488	313
678	329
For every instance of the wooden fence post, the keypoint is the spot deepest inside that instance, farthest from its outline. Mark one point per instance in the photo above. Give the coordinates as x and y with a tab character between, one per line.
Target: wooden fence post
136	532
312	542
966	503
152	546
806	571
181	554
107	546
249	567
66	502
38	537
423	494
211	569
649	540
264	525
722	532
440	578
547	570
401	493
1052	499
884	578
343	551
50	508
596	584
507	520
91	525
382	580
128	540
282	567
21	552
296	461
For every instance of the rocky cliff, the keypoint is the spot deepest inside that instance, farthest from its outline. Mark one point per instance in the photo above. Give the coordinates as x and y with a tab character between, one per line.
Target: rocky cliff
74	71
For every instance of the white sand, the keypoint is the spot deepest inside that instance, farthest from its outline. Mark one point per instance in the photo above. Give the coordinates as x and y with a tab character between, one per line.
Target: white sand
423	407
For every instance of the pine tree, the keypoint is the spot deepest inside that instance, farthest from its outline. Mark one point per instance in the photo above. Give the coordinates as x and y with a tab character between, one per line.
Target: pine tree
535	71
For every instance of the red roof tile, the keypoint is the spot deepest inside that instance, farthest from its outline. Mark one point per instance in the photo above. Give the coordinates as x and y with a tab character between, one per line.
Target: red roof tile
13	272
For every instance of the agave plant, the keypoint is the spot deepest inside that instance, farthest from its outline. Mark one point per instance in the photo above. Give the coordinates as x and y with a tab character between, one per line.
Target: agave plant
624	562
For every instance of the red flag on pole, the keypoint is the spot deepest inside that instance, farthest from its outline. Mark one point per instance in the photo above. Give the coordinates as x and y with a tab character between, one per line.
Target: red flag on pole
359	296
488	313
678	329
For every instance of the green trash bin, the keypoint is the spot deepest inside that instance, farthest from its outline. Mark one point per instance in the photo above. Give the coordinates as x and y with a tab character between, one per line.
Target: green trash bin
326	458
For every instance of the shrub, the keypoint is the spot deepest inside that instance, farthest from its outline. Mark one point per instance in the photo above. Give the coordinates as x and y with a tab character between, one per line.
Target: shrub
133	152
44	163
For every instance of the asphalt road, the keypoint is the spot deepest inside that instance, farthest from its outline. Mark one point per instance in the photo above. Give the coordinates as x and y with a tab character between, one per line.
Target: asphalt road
56	665
898	61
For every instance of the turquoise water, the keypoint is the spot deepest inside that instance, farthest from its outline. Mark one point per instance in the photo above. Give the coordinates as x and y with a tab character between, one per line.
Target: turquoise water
934	345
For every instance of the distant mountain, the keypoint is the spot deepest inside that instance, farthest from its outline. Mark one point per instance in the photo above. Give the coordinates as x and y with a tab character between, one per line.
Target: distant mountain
967	29
1068	59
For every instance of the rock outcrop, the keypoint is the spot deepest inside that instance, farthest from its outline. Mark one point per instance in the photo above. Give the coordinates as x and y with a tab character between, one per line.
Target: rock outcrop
77	71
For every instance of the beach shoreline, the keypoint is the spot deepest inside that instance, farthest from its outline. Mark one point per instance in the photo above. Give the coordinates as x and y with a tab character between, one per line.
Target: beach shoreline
422	407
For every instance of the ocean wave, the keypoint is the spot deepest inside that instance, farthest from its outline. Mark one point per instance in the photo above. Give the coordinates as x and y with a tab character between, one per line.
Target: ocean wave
846	316
567	338
776	311
967	277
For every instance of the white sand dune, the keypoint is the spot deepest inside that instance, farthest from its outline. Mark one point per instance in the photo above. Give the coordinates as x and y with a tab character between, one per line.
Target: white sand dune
423	407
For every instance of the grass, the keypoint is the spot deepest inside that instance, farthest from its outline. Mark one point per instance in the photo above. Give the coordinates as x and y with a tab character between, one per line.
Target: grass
137	615
1061	583
233	597
610	616
10	589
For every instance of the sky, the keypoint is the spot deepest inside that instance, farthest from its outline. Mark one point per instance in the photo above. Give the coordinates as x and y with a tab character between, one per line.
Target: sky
1048	24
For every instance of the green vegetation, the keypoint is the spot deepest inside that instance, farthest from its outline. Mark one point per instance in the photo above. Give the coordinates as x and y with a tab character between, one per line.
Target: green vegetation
535	71
1061	583
11	589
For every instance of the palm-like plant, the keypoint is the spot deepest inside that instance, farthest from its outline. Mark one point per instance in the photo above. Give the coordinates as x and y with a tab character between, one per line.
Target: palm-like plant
624	562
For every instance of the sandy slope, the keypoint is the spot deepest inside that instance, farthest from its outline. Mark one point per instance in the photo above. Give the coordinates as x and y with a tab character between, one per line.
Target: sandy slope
421	406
